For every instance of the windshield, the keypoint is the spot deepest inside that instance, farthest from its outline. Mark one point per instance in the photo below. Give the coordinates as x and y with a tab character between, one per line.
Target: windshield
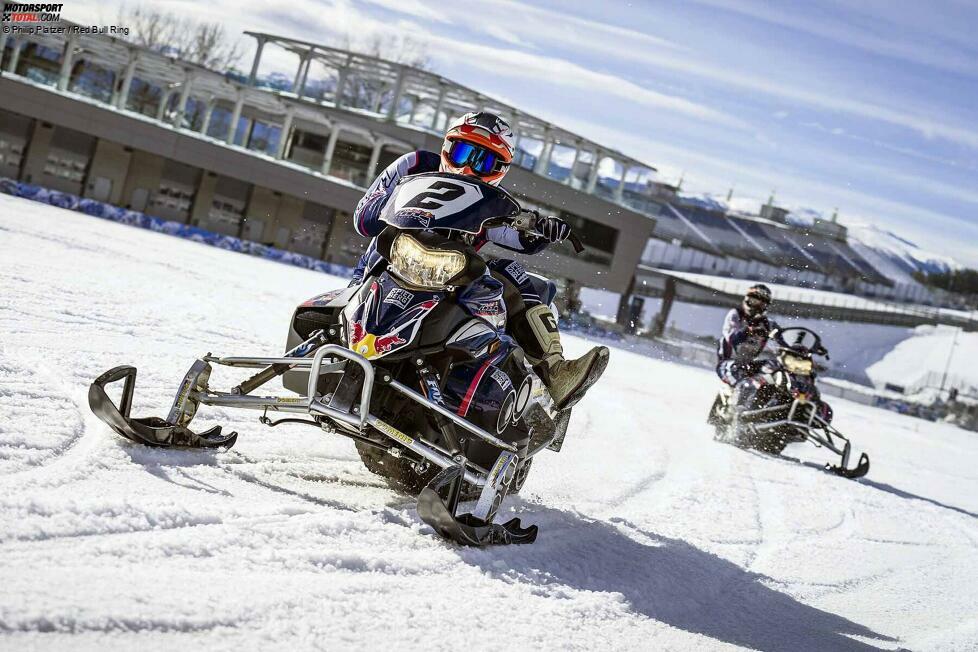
438	200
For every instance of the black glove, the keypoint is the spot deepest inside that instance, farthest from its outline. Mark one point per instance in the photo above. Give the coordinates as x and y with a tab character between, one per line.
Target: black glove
553	229
759	326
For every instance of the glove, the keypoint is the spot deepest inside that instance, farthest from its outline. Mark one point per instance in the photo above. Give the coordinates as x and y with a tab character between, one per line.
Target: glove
553	229
760	326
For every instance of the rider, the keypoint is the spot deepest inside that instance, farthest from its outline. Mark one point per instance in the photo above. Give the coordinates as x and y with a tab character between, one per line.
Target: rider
746	330
481	145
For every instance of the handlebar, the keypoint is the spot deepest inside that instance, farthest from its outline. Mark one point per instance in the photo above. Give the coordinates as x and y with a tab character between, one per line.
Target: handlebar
527	219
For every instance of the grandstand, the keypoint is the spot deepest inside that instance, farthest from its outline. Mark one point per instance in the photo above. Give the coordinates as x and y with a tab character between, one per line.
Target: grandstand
282	159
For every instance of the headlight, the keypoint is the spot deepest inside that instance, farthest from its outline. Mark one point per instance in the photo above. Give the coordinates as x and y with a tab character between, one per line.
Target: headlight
423	267
797	365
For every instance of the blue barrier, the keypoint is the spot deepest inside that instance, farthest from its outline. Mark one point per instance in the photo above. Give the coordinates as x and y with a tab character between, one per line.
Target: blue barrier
185	231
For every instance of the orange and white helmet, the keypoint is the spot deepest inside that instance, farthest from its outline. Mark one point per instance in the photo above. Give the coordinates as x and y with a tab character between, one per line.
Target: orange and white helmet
479	144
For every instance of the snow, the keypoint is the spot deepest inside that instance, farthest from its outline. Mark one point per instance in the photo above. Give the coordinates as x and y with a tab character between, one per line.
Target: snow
853	346
924	359
652	536
893	256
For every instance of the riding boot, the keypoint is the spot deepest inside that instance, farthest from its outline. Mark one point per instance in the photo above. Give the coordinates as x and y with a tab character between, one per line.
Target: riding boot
567	380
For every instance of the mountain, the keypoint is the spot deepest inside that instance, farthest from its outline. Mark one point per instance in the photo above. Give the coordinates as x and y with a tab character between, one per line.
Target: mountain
894	256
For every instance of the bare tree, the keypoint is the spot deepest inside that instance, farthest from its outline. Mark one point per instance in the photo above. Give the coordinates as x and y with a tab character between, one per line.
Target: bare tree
399	49
204	43
370	92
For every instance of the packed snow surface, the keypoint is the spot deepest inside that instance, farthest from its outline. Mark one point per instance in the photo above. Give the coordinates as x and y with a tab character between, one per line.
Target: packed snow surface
652	535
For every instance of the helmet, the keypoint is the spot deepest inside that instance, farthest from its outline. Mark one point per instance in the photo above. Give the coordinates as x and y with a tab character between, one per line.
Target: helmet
757	299
478	144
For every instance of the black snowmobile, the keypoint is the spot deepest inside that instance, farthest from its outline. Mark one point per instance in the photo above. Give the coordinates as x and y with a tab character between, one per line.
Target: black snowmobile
413	364
783	405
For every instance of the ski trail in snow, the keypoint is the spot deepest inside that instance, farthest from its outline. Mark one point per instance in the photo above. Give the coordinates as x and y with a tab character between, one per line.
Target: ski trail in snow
652	535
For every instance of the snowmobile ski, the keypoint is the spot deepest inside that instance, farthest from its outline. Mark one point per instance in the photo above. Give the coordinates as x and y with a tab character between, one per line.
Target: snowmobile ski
151	431
858	471
466	529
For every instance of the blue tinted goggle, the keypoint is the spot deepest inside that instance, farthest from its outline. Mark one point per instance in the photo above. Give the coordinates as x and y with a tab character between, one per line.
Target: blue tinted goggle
479	159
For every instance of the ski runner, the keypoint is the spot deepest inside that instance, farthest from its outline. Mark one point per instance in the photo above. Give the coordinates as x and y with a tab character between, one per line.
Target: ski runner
481	145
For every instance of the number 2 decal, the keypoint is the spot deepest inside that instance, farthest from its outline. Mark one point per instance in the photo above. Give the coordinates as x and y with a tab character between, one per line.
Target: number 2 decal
437	195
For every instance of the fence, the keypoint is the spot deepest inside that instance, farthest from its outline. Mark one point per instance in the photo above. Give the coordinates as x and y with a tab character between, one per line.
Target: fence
185	231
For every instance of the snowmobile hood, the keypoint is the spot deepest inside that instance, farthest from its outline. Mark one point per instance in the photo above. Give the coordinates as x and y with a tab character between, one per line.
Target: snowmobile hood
438	200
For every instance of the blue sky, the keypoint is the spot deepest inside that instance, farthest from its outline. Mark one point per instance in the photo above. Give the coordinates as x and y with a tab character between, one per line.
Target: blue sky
870	107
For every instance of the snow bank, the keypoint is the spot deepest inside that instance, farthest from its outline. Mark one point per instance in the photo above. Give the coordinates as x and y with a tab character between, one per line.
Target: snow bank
922	360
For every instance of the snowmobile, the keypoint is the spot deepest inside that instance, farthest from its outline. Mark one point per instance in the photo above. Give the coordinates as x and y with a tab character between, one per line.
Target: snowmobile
782	405
413	364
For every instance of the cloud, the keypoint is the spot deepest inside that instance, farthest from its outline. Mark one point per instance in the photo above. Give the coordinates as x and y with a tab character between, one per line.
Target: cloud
554	71
551	25
877	34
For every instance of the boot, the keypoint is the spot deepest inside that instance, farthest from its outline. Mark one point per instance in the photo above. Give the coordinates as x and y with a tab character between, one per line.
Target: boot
566	380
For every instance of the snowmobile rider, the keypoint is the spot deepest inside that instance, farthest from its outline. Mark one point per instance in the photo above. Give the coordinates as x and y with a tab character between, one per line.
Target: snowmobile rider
481	145
746	330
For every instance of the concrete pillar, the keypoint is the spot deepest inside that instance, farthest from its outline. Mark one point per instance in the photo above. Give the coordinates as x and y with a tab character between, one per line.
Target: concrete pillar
235	117
3	43
123	97
375	158
398	92
256	60
203	198
438	105
592	178
188	83
36	156
208	113
330	149
286	136
658	326
544	161
14	56
164	102
305	75
414	108
622	317
577	157
620	190
299	79
67	58
341	75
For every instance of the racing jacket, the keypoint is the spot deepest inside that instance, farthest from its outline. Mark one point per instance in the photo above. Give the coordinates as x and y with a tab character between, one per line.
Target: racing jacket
366	217
740	344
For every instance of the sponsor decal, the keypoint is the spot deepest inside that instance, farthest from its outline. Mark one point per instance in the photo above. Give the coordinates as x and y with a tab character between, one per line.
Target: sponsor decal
488	309
369	345
502	378
323	299
393	432
549	322
385	343
516	271
419	215
436	196
399	297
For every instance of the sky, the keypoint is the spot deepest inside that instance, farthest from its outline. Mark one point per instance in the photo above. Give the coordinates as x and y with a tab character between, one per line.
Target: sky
868	107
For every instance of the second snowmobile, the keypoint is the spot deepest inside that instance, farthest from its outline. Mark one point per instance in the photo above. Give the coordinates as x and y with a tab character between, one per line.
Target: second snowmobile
782	405
413	364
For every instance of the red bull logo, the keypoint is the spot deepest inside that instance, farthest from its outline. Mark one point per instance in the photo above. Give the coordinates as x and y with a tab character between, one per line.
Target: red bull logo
387	342
370	346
